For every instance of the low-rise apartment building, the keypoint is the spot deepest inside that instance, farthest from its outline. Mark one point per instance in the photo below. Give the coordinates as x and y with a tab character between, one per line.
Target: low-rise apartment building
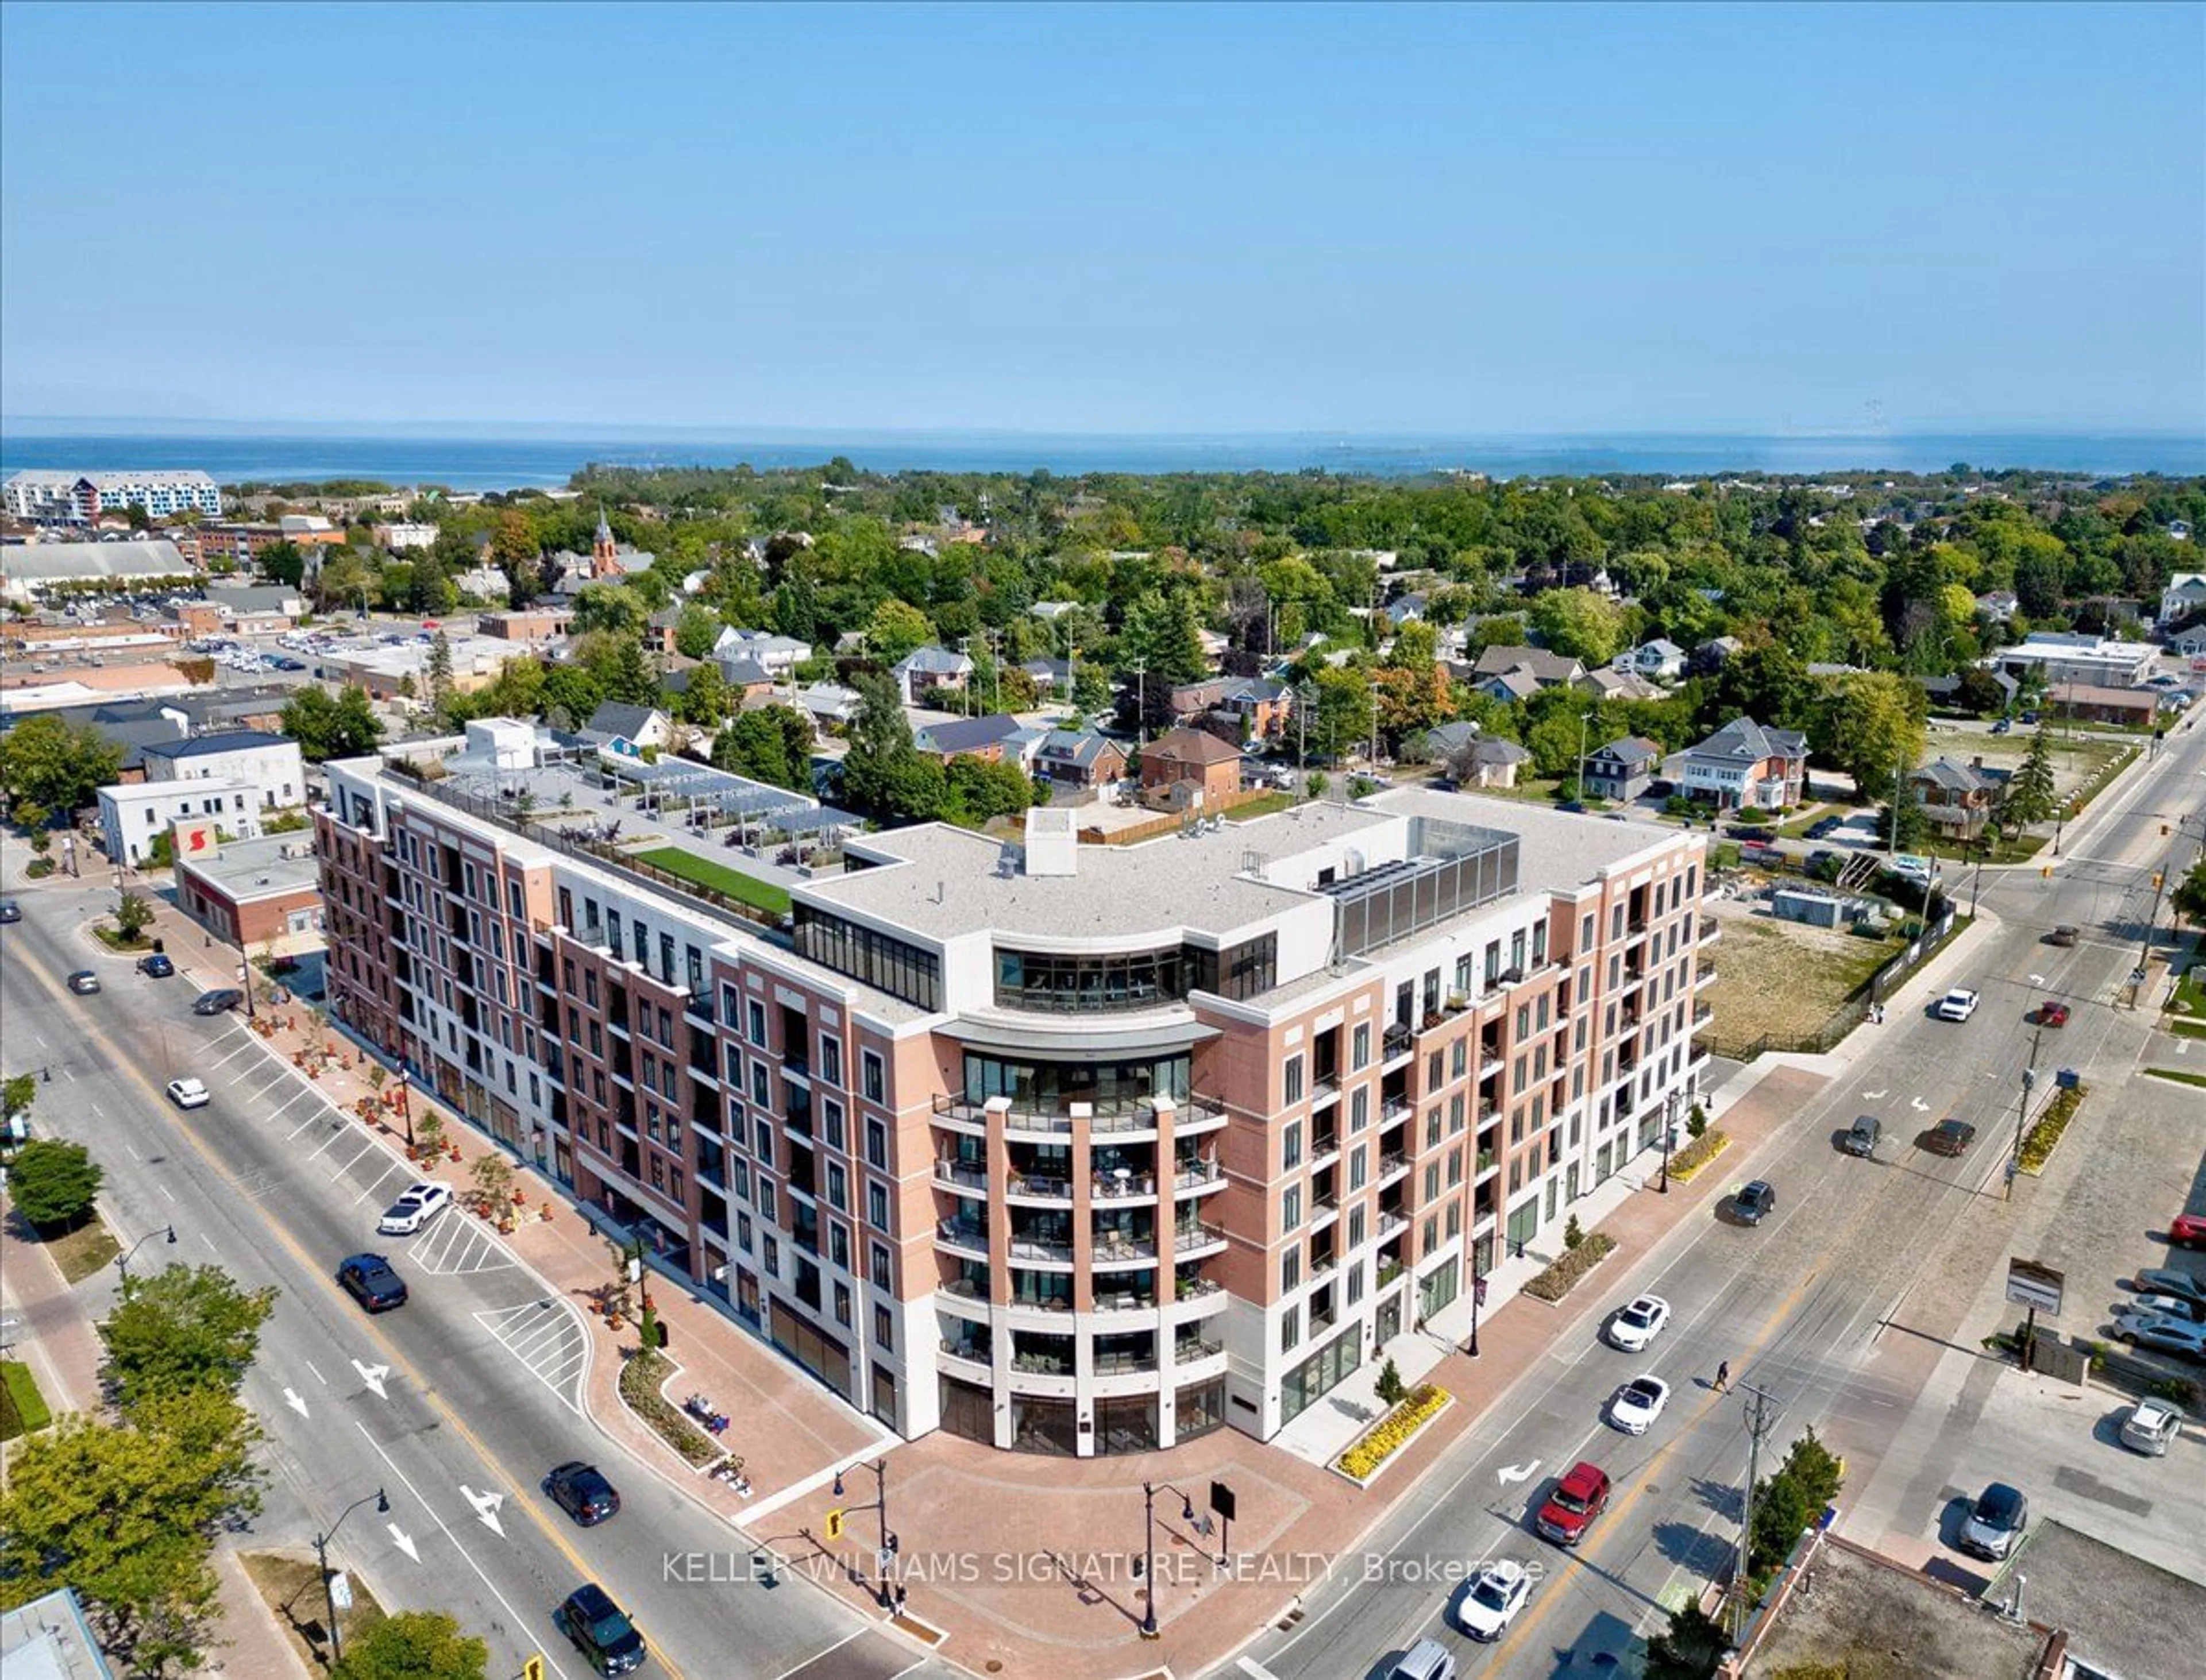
1066	1149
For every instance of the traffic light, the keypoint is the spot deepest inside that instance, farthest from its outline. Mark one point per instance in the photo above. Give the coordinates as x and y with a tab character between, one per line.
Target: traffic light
834	1525
2045	870
532	1669
2156	878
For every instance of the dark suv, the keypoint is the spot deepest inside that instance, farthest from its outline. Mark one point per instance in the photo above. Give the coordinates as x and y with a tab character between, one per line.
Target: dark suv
1862	1136
601	1631
370	1280
582	1490
1752	1203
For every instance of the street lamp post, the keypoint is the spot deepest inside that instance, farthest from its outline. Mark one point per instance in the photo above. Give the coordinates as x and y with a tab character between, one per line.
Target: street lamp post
405	1109
889	1547
123	1260
1669	1133
1150	1491
322	1558
1477	1300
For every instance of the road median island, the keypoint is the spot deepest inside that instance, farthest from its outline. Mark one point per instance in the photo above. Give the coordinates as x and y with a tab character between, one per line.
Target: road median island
2044	1135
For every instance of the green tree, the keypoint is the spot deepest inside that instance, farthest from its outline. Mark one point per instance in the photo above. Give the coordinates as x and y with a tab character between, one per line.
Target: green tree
754	745
1914	827
126	1513
53	1184
705	701
2030	792
55	764
894	628
1690	1647
342	725
612	607
980	789
1870	724
439	673
133	914
1581	623
183	1327
1392	1390
696	632
282	562
414	1645
879	749
2189	897
1416	646
1343	710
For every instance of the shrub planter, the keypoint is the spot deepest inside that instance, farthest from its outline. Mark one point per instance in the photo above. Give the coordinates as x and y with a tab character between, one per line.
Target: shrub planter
1379	1445
1684	1163
2044	1134
642	1375
1564	1275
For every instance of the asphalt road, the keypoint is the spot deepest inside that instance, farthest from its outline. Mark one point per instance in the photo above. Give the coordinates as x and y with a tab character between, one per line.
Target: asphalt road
456	1405
1798	1306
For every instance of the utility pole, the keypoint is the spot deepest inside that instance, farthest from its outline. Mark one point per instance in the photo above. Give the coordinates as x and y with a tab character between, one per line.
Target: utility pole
1141	702
2022	1114
1761	1418
1898	792
1583	717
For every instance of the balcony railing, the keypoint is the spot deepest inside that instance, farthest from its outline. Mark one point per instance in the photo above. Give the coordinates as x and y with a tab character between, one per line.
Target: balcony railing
1196	1236
1400	1040
972	1351
1137	1116
964	1234
1126	1301
1042	1365
1189	1348
1114	1249
1392	1163
966	1177
1107	1185
1195	1176
1045	1187
1705	974
1123	1364
1391	1221
1040	1248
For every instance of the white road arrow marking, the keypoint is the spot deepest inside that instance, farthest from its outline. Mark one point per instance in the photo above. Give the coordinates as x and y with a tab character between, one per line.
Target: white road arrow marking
1509	1472
404	1542
1918	1104
2039	980
1873	1096
485	1507
373	1375
291	1399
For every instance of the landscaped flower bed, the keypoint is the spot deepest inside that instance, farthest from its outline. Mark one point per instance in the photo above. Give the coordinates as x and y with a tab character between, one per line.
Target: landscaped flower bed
1561	1278
640	1378
2037	1146
1685	1162
1363	1461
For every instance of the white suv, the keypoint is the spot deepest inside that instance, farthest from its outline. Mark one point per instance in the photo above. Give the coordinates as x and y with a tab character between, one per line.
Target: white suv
415	1207
188	1094
1959	1004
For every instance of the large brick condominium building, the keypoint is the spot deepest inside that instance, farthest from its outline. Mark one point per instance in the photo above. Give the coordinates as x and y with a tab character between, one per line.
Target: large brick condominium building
1070	1149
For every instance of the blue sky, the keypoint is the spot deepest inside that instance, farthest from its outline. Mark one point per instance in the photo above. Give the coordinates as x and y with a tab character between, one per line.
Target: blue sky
1476	220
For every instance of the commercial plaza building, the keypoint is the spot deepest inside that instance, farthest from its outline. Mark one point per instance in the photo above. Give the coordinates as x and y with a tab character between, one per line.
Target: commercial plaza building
1071	1149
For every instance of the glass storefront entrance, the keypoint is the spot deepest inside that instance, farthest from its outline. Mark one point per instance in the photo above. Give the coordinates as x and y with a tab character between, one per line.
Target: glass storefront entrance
1315	1376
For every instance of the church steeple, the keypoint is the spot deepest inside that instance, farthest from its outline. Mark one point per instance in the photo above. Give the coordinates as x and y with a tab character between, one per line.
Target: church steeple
603	562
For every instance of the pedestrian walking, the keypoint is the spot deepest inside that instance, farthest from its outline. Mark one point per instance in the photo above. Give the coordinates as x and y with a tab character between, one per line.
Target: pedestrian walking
1723	1376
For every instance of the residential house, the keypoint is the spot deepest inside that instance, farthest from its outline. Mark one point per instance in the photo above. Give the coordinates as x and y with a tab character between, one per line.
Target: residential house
1618	685
2179	530
1946	690
483	583
2185	594
1440	744
990	737
1206	769
1516	683
1261	705
1495	762
827	704
1711	654
930	667
1742	764
1544	669
1079	759
658	629
778	654
1623	770
1661	660
627	730
2192	642
1407	608
1958	798
1999	603
257	609
1050	676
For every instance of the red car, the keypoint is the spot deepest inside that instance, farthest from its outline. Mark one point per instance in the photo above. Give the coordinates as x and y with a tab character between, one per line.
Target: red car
1577	1499
2051	1014
2187	1231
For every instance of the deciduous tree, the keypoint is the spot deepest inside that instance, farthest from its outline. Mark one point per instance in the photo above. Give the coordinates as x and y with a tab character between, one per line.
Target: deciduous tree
55	764
331	726
1581	623
183	1327
414	1645
53	1184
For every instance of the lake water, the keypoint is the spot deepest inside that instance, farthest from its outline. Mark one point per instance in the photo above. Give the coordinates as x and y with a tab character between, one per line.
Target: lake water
486	461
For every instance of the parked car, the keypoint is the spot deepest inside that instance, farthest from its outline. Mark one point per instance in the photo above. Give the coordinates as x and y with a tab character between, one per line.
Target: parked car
1860	1138
600	1630
10	910
1753	1202
1994	1522
2167	1306
1636	1405
1572	1504
156	966
416	1206
2166	1280
1825	826
1959	1004
2163	1333
1638	1323
2052	1013
371	1280
84	982
2149	1427
1949	1137
2065	934
188	1094
1495	1597
582	1490
2004	726
217	1001
2187	1231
